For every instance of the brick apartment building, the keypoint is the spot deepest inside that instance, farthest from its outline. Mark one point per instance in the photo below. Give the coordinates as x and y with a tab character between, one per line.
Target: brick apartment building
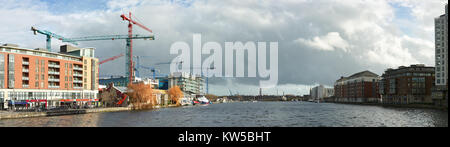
39	78
359	87
407	85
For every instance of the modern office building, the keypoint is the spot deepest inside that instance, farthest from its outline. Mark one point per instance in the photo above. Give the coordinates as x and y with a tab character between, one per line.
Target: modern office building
359	87
440	91
188	83
38	78
407	85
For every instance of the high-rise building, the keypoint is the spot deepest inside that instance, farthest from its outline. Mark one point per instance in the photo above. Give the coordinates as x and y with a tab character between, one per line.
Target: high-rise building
441	40
37	78
440	91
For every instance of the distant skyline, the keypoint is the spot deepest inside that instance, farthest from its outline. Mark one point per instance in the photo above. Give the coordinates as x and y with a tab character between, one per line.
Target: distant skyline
319	40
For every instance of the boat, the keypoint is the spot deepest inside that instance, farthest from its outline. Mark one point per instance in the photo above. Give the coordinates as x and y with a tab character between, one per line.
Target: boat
203	100
186	102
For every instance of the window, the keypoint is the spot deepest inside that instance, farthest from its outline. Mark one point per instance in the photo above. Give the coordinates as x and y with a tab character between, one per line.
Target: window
2	71
11	71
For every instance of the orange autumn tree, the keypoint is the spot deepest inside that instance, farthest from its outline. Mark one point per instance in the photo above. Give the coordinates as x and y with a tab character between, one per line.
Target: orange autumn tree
141	96
175	95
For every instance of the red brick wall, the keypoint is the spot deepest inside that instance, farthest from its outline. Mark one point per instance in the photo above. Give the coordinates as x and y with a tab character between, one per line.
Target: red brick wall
18	58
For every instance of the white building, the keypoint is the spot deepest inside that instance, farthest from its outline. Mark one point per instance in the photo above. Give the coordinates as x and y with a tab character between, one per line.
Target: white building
321	92
441	40
440	91
188	83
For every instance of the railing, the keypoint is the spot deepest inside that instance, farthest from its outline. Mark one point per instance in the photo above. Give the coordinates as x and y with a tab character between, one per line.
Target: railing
25	70
78	75
54	65
77	68
53	80
53	72
25	78
76	81
25	86
25	63
54	87
77	87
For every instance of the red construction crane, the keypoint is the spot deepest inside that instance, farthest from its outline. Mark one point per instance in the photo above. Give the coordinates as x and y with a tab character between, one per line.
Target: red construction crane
110	59
129	51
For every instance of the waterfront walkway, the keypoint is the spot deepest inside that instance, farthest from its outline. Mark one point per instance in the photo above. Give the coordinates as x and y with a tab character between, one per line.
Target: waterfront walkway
18	114
12	115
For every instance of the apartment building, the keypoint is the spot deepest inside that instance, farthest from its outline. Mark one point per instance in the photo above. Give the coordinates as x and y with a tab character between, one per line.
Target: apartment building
38	78
440	91
320	92
359	87
188	83
407	85
441	41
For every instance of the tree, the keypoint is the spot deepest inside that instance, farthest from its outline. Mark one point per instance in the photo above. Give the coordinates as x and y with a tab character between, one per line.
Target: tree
211	97
141	96
108	97
175	95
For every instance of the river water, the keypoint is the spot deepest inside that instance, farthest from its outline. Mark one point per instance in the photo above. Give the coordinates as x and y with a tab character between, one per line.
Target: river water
260	114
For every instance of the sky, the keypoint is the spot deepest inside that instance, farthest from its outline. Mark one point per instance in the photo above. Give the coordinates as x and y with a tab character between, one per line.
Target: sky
319	40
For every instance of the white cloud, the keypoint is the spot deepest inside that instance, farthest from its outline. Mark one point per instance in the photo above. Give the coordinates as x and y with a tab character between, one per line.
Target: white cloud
363	30
329	42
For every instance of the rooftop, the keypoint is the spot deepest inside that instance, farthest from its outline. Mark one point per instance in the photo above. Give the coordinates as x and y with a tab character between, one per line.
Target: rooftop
363	74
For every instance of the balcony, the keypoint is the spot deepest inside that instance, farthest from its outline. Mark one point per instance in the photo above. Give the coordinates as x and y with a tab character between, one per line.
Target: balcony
25	86
78	81
53	73
53	80
78	68
77	87
53	66
25	63
25	70
25	78
53	87
77	75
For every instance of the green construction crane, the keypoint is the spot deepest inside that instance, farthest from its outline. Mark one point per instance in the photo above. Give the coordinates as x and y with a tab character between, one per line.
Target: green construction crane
50	35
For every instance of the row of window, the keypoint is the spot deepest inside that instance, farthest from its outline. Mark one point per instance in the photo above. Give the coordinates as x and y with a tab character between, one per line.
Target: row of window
48	95
35	53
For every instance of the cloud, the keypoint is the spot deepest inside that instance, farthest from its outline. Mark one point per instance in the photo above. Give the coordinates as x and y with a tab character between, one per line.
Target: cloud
355	35
330	42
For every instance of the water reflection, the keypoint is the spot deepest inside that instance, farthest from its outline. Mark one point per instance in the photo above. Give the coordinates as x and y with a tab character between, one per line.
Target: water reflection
262	114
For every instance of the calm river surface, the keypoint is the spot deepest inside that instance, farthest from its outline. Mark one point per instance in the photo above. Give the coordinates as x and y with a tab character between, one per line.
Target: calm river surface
260	114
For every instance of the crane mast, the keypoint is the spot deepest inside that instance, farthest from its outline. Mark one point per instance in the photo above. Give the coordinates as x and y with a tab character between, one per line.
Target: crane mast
129	51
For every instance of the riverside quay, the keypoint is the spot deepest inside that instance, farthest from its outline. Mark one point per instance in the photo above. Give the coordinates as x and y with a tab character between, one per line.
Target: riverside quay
40	79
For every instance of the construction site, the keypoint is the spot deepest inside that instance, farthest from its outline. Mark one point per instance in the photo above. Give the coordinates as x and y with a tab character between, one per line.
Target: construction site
32	79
